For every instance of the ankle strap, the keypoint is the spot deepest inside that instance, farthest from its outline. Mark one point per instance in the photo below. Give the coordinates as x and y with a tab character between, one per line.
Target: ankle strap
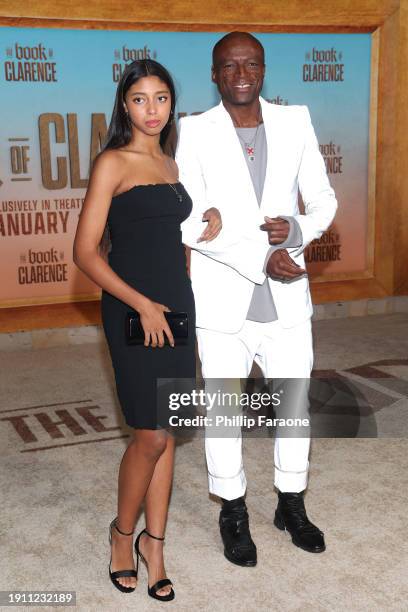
114	523
152	536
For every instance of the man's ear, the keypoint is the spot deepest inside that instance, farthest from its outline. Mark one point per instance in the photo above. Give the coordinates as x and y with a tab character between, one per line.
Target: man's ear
213	78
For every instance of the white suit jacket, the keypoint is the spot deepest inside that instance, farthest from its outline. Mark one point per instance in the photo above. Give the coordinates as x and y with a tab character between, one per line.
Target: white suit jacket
215	173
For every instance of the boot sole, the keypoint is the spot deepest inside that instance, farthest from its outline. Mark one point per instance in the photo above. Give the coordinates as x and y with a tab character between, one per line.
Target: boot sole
240	563
281	526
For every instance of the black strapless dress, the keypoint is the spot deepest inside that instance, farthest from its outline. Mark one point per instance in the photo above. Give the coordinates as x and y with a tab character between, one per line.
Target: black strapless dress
147	253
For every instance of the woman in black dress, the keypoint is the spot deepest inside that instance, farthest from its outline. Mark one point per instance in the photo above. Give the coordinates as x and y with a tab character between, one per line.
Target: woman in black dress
134	190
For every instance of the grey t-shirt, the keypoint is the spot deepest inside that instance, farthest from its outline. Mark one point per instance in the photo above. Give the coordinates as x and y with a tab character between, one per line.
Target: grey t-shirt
262	307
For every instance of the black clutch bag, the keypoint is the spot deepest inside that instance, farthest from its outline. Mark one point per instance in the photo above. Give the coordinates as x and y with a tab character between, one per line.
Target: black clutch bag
177	321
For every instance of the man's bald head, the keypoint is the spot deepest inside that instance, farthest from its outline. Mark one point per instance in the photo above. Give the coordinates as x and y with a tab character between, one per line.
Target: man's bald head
239	69
232	38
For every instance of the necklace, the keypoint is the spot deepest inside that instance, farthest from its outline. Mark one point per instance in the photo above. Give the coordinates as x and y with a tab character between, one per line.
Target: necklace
179	195
251	145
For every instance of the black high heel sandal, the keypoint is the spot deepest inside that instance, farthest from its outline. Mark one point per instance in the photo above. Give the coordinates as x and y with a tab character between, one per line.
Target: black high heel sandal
152	591
128	573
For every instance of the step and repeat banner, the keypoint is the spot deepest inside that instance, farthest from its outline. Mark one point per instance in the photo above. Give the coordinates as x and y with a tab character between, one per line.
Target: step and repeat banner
57	93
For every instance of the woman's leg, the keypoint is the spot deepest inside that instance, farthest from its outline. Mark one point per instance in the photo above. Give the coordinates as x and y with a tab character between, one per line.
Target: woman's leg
135	474
156	506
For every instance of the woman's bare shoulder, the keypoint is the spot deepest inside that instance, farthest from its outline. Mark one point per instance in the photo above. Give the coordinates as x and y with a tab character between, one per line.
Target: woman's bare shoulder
107	172
110	159
110	166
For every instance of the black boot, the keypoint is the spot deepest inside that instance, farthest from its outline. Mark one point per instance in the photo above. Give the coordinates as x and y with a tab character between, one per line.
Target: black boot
234	527
291	515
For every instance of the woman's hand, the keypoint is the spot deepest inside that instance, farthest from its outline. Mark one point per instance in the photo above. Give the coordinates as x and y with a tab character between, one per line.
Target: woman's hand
154	324
213	216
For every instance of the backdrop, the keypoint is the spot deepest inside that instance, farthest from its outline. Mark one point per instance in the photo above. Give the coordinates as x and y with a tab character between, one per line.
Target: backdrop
57	92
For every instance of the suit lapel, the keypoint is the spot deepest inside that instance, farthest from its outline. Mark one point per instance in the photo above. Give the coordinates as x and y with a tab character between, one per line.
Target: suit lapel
273	137
234	157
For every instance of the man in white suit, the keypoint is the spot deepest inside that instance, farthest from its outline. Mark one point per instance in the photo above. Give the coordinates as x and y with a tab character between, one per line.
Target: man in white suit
249	159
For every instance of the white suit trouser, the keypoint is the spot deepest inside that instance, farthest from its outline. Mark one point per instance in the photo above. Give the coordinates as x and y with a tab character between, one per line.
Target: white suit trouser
280	353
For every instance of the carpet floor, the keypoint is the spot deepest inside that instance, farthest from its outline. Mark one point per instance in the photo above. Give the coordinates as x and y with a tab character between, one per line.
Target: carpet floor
62	438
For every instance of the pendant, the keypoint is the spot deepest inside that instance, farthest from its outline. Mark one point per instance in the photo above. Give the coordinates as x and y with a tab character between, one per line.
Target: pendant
250	152
179	196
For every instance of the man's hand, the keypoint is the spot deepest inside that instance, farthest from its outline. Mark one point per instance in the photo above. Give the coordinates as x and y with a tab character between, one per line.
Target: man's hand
278	229
281	266
213	216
